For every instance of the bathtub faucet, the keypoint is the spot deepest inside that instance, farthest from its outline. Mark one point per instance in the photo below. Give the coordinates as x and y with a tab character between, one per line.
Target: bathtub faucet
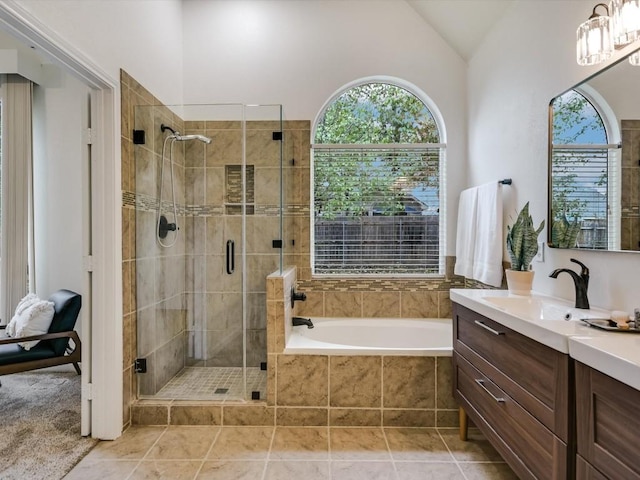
297	296
297	321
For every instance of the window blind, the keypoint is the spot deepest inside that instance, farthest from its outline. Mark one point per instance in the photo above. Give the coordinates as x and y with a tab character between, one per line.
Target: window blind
585	189
377	209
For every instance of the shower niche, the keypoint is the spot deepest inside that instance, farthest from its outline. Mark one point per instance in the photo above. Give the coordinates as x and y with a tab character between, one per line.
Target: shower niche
208	205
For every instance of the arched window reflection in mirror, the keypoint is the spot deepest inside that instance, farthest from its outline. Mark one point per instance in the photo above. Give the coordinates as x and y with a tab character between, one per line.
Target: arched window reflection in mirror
585	171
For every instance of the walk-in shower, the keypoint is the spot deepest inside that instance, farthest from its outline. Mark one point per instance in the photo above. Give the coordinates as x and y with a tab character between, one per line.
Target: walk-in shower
207	177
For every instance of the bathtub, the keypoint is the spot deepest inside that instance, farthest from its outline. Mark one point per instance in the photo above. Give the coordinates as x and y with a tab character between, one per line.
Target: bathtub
372	336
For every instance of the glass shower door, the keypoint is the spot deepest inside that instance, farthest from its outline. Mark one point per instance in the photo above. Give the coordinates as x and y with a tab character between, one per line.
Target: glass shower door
201	294
263	227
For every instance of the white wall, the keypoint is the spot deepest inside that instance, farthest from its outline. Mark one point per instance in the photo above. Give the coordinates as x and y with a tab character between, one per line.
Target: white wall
299	54
60	111
526	60
142	37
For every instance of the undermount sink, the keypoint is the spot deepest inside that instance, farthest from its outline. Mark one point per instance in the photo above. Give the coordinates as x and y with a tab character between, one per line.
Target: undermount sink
539	308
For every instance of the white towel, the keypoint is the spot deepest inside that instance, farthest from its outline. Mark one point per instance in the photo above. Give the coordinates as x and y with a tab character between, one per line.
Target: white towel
466	233
487	256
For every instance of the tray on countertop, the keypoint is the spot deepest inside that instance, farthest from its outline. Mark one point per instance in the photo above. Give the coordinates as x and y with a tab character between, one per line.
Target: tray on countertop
608	325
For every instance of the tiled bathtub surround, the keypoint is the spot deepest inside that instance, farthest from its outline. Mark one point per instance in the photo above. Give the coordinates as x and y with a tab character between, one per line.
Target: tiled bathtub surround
353	390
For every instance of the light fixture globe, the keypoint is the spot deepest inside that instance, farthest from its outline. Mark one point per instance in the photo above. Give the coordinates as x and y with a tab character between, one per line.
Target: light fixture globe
595	38
626	21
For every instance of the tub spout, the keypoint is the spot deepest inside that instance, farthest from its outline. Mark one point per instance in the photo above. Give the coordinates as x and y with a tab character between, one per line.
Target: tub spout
297	321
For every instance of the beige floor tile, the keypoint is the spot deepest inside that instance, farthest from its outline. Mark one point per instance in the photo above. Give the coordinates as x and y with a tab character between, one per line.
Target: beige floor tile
300	443
242	443
477	448
291	453
428	471
358	444
102	470
358	470
290	470
232	470
488	471
166	470
184	443
133	444
419	444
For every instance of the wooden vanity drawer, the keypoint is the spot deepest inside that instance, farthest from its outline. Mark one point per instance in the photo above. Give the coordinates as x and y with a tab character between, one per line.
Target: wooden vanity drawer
584	470
608	424
534	375
529	447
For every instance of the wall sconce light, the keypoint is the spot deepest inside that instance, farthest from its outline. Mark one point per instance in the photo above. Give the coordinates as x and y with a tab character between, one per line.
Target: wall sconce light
600	34
595	38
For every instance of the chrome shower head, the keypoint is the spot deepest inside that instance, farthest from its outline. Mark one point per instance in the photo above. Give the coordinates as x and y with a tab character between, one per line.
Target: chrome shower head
183	138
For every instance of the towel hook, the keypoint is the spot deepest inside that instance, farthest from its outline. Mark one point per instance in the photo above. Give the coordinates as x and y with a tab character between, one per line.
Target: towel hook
505	181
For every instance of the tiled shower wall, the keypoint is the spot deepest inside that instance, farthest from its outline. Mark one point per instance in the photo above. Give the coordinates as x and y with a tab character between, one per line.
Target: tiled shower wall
630	212
160	272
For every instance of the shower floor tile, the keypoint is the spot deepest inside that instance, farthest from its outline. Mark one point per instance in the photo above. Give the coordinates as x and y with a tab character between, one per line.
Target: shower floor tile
213	383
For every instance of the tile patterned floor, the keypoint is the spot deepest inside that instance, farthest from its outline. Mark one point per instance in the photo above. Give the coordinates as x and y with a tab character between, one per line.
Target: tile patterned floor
291	453
206	383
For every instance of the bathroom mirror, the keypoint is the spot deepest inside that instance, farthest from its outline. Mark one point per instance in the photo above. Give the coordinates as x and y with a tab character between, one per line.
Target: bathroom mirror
594	162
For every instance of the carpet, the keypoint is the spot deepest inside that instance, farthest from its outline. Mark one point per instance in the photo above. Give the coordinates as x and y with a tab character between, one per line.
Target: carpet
40	425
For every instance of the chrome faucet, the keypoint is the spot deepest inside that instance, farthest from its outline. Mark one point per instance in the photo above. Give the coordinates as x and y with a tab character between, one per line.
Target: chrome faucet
581	282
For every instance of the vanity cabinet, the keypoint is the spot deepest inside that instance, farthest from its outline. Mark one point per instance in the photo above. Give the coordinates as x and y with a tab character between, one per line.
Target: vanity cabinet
608	427
518	392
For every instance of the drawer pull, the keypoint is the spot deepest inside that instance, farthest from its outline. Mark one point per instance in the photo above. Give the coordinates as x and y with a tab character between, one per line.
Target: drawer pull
480	382
487	327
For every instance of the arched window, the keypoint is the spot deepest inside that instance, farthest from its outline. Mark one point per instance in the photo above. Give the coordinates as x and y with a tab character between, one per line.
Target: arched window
378	163
584	171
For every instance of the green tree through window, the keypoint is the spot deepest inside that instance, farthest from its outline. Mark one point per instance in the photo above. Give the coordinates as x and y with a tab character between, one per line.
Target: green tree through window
580	173
376	154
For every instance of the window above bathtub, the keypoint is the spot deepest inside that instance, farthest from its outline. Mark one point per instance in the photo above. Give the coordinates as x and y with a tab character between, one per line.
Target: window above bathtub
378	178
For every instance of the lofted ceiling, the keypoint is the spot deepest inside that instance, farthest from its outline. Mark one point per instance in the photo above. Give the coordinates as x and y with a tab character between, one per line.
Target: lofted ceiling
463	24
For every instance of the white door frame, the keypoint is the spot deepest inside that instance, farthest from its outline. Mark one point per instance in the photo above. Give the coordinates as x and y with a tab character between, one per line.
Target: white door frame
104	342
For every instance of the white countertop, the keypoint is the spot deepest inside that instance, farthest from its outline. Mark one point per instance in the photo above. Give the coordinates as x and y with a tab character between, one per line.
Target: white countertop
613	353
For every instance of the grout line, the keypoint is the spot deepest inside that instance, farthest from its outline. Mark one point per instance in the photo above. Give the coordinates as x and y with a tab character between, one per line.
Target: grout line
455	460
206	455
393	460
147	452
268	457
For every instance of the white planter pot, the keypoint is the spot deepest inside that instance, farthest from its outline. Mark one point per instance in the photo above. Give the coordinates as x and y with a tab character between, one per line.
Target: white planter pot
519	282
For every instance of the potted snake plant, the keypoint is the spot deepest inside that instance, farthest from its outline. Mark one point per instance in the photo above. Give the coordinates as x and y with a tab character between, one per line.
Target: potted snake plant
522	245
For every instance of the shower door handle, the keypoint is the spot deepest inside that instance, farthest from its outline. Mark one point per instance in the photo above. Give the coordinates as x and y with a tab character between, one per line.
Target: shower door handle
231	263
